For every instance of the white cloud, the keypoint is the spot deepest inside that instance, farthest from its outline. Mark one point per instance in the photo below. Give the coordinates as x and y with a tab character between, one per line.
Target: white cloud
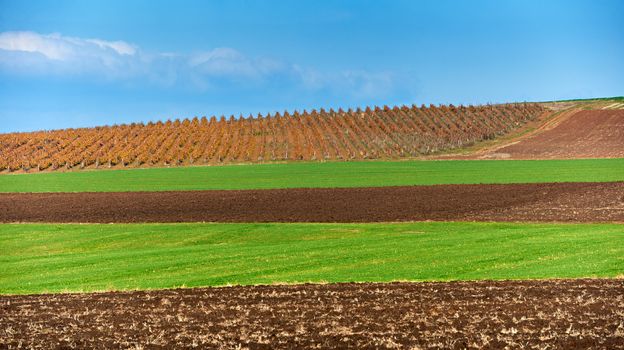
224	62
55	54
44	54
364	84
51	46
310	78
356	83
34	53
57	47
122	48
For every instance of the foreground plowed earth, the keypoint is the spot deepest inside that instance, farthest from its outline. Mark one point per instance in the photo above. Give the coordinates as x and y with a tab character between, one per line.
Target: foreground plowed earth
547	202
566	314
586	134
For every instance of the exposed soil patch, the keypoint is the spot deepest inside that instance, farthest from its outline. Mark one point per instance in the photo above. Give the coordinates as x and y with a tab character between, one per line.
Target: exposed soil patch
586	134
565	314
572	202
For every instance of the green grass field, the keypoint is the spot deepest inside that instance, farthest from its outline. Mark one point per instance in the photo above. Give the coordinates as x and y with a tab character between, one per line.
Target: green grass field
64	257
331	174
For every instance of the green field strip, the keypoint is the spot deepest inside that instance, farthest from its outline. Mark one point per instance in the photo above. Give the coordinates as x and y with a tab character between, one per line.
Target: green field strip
309	175
38	258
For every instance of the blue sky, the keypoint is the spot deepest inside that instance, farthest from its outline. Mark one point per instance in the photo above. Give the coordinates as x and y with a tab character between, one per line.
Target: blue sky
86	63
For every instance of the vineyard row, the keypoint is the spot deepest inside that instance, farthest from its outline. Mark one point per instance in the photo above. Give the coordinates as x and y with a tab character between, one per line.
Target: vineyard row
378	133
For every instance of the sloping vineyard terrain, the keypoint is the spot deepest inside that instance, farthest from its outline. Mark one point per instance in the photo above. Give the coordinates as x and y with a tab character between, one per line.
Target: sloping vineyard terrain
379	133
585	134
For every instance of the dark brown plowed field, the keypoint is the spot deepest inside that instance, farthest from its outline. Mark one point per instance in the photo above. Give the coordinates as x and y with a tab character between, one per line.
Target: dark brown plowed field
565	314
571	202
586	134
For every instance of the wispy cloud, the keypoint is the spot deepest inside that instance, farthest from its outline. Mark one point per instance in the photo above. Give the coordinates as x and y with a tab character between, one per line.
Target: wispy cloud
55	54
34	53
359	83
47	45
226	61
121	47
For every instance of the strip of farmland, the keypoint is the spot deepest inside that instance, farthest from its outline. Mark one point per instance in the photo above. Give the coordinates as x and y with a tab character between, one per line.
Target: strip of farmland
548	202
326	175
39	258
566	314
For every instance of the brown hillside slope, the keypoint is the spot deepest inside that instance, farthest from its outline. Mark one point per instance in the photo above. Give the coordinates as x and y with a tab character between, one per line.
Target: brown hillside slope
584	134
380	133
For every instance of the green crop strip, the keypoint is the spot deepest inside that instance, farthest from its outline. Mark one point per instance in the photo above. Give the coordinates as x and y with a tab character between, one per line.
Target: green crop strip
331	174
40	258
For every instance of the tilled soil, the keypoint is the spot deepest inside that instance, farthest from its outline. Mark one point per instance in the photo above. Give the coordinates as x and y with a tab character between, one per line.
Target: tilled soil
564	314
586	134
547	202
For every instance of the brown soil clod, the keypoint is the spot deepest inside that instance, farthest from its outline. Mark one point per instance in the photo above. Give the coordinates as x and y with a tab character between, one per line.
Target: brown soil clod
555	314
545	202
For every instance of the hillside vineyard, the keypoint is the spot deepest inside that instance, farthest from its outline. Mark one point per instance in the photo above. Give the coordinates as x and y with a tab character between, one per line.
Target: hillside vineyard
378	133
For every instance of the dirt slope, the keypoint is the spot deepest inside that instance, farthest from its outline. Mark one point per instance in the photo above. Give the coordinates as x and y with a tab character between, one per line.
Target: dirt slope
585	134
573	202
565	314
